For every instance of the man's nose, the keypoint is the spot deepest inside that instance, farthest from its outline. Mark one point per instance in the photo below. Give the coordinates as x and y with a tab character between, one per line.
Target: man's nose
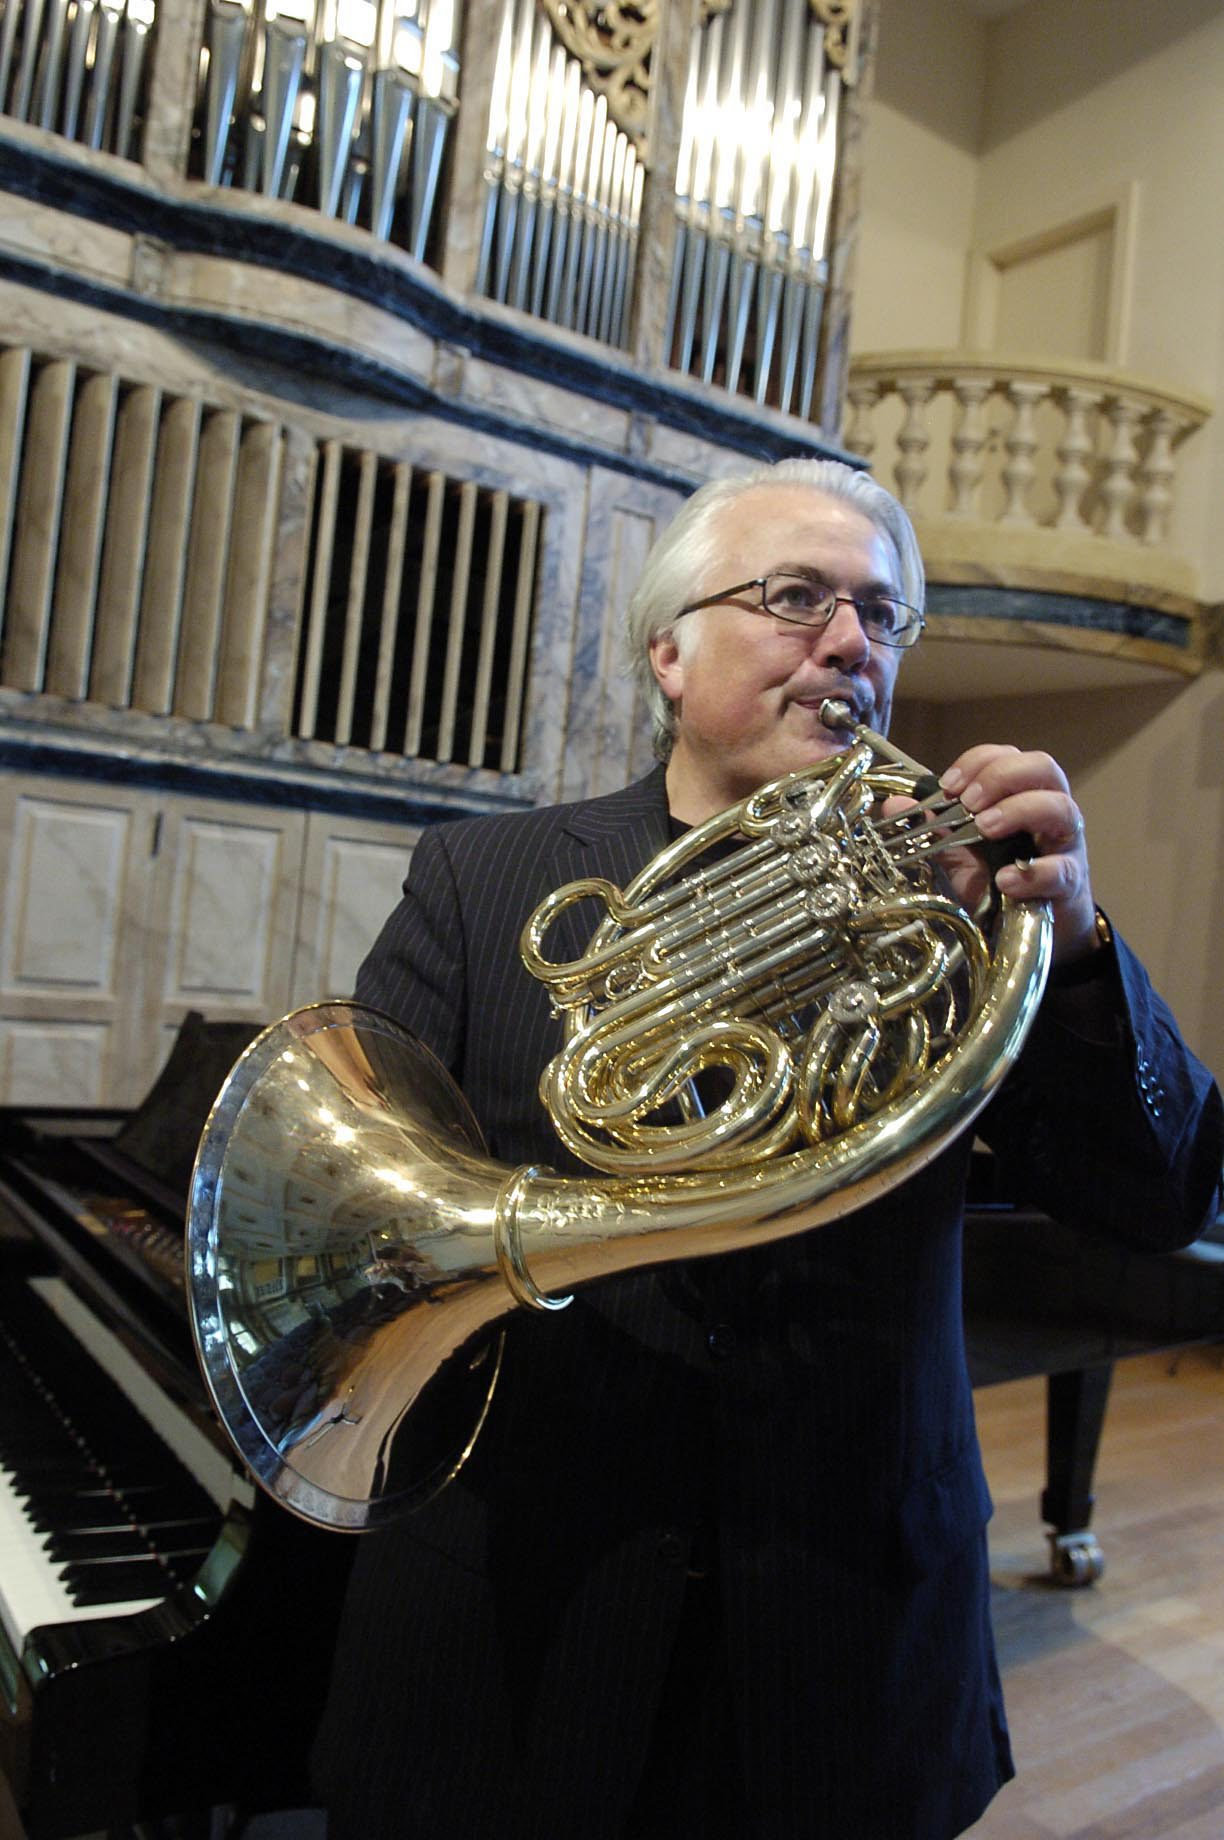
842	640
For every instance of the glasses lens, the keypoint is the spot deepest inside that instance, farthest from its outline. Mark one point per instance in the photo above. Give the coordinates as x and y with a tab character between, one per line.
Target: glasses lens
796	597
886	619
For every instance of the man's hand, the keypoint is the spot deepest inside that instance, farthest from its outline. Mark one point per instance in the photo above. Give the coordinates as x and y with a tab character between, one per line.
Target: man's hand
1009	792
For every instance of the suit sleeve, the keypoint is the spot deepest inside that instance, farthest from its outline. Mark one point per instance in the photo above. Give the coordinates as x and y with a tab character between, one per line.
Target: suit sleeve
416	970
1108	1121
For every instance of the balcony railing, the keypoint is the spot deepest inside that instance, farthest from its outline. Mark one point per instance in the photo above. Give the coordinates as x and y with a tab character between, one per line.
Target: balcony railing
1025	446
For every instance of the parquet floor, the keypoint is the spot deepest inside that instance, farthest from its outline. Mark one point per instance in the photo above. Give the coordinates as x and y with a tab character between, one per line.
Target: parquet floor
1116	1693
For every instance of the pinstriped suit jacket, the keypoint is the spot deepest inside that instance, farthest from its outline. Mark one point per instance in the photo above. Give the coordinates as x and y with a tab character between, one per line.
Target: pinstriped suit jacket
503	1649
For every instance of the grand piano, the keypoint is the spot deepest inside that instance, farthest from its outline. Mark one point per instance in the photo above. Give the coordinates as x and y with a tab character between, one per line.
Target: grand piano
164	1629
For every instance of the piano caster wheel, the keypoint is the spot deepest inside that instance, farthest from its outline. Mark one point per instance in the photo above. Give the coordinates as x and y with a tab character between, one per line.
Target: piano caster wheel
1075	1559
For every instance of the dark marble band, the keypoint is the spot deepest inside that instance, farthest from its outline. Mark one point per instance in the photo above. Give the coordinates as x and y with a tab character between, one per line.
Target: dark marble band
1039	607
390	802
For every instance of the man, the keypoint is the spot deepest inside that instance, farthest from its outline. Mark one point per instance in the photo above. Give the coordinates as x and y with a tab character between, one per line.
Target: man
717	1565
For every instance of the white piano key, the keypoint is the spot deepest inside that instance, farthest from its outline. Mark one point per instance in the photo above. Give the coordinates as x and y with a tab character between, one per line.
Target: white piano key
31	1592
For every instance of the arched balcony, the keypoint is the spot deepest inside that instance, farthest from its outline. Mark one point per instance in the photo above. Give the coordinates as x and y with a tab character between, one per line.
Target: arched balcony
1046	499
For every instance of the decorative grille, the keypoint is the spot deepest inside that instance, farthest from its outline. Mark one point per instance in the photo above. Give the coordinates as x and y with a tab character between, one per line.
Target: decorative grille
136	537
418	611
138	534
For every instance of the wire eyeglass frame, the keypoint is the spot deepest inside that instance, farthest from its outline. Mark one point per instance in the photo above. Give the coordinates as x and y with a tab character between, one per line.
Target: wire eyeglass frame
910	631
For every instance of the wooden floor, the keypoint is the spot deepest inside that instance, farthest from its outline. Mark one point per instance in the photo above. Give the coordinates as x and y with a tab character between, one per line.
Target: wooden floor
1116	1693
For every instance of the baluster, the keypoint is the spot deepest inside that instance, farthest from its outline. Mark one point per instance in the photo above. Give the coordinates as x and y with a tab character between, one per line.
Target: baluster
968	441
1073	474
1156	477
860	435
1021	444
913	439
1118	485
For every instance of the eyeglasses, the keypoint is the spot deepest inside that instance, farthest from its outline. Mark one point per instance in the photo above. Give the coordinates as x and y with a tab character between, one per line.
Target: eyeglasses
804	600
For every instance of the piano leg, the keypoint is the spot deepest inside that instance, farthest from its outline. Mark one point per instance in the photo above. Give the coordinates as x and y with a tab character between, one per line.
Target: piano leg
1075	1417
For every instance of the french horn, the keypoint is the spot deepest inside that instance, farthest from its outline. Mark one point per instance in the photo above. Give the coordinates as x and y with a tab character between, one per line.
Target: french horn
785	1014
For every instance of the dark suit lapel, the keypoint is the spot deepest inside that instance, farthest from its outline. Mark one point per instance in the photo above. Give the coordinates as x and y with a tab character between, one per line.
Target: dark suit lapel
613	837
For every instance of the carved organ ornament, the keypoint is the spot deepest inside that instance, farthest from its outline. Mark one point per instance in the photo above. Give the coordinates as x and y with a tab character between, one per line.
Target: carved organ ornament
613	40
612	43
566	159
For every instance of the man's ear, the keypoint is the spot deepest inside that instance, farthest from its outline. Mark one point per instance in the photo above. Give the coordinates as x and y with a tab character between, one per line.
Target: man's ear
666	664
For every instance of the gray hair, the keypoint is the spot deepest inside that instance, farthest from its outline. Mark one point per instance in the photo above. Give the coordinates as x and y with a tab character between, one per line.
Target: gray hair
684	553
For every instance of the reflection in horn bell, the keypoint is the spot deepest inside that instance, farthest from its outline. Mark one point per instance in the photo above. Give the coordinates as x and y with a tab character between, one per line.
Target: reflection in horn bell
324	1236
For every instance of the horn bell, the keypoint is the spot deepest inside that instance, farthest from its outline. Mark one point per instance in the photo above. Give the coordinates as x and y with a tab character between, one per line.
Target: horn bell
335	1263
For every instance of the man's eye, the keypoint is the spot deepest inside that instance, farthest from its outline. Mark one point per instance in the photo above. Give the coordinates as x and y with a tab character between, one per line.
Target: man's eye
881	616
793	596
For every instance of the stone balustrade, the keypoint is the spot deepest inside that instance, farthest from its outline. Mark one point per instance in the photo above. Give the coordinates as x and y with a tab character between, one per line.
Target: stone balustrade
1037	477
1102	445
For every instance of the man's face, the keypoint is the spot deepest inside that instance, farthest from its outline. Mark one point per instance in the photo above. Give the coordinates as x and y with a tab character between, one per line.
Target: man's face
748	695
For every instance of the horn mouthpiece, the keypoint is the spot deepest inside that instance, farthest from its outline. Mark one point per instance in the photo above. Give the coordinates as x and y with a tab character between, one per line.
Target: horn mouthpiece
835	712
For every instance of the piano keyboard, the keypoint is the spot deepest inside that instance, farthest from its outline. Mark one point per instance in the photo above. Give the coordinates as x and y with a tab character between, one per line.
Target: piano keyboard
110	1497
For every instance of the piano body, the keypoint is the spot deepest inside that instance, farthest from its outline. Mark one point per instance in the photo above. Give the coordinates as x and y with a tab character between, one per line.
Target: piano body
165	1630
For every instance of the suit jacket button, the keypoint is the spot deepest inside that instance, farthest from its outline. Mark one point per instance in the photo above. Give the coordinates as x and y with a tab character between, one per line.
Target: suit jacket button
721	1341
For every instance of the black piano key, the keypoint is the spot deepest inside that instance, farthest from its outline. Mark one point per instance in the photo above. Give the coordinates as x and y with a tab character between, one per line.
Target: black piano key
119	1582
150	1504
90	1543
79	1516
